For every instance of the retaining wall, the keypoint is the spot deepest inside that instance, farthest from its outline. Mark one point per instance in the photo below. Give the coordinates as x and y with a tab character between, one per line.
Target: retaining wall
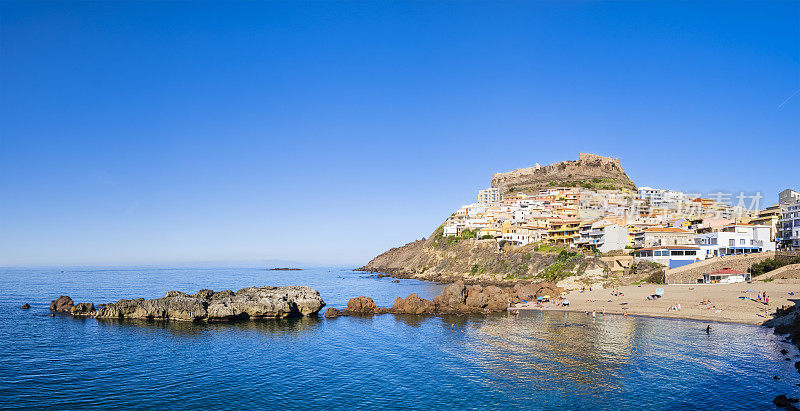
689	274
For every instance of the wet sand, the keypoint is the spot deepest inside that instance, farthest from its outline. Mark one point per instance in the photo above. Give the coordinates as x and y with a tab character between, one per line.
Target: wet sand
725	306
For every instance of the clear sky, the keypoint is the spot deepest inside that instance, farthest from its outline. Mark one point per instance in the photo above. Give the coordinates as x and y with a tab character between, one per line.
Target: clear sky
327	132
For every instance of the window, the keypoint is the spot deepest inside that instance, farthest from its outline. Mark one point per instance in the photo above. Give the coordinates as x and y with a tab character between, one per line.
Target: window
731	242
691	252
741	241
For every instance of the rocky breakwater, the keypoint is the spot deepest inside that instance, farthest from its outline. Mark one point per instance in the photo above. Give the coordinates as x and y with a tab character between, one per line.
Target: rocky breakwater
786	321
457	298
252	303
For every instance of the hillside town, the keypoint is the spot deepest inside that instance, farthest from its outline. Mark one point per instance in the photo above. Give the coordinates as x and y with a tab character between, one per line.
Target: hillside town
670	228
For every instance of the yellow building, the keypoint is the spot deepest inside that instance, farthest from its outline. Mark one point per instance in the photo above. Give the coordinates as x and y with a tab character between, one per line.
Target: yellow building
494	232
563	231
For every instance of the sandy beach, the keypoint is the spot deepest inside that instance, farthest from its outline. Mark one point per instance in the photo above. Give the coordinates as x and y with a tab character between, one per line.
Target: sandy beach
725	302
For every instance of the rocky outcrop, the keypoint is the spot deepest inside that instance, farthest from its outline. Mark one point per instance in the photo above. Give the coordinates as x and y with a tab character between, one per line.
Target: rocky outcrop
62	304
785	402
25	306
590	171
478	262
413	304
332	313
82	309
457	298
363	306
250	303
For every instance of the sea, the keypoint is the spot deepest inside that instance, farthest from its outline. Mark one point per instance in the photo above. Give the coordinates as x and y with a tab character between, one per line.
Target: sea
547	361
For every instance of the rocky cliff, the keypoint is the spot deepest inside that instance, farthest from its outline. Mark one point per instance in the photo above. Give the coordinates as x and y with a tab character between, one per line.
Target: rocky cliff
589	171
447	259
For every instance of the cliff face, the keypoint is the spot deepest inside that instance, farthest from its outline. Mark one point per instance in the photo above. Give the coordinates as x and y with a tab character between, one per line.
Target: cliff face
589	171
446	259
474	261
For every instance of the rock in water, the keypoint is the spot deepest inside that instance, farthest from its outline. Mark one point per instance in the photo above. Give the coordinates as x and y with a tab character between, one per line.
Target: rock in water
25	306
62	304
332	313
413	304
785	402
454	295
82	309
361	305
207	305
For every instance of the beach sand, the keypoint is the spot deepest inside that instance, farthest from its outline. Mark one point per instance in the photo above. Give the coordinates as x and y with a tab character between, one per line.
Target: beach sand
726	306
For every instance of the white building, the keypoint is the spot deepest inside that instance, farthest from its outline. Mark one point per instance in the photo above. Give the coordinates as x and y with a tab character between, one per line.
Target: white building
671	256
490	196
725	276
451	229
521	235
604	237
663	198
735	239
789	228
658	236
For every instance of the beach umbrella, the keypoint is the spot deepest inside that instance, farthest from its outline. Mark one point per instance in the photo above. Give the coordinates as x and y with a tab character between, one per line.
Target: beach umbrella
750	291
539	298
546	296
659	291
565	302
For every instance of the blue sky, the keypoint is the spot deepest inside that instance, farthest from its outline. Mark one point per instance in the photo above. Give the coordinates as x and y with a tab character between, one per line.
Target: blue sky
327	132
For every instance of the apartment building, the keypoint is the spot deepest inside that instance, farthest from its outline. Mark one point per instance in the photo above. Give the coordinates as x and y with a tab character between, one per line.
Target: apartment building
788	236
490	196
736	239
661	236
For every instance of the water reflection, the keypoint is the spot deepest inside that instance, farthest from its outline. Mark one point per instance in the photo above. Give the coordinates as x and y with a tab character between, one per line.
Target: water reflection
535	347
183	328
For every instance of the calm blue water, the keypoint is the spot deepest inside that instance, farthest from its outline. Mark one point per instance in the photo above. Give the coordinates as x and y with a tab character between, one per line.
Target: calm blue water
526	362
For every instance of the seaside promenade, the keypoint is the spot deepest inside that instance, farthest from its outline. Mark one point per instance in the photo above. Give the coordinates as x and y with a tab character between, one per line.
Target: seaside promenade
734	303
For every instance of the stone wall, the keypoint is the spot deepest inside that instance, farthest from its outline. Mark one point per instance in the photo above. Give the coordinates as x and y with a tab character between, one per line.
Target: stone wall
689	274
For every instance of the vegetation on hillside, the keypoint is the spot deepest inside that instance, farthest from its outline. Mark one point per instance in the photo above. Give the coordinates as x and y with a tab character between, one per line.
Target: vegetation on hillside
769	265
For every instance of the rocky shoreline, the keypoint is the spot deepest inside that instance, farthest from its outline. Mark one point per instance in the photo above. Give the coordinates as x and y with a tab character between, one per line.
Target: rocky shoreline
251	303
457	298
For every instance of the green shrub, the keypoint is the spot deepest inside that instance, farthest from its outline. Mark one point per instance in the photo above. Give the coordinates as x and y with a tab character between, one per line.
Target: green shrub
467	233
770	264
656	277
562	267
